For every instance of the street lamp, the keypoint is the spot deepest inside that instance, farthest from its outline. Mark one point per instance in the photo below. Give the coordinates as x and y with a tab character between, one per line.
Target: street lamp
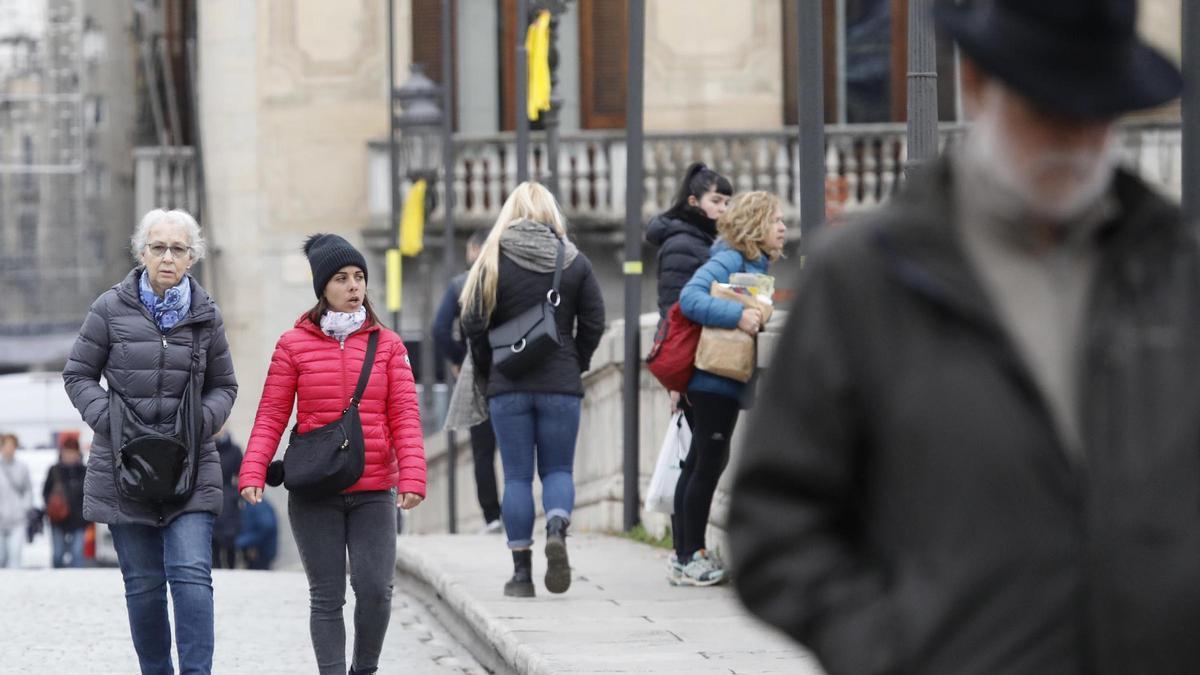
419	123
419	126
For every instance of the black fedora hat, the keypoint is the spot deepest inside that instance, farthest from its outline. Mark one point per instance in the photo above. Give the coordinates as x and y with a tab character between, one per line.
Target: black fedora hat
1075	57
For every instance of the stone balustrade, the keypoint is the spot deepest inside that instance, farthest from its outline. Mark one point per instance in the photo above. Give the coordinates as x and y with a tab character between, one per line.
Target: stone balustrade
864	165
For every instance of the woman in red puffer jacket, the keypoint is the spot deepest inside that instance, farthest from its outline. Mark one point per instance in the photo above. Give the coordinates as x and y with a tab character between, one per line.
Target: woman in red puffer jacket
317	365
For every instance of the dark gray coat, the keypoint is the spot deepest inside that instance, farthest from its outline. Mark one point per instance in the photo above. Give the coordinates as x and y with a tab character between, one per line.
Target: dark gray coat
903	503
120	340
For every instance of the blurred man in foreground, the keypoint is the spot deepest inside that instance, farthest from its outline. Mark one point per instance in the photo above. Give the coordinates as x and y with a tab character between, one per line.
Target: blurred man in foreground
977	449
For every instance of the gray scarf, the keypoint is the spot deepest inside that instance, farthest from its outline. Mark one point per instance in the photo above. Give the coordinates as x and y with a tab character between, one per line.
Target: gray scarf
534	246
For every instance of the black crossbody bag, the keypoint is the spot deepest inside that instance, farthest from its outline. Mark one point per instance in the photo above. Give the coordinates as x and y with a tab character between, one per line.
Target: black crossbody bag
151	466
329	459
531	336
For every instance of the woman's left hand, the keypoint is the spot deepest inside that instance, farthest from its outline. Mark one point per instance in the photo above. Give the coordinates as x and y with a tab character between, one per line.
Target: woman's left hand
408	500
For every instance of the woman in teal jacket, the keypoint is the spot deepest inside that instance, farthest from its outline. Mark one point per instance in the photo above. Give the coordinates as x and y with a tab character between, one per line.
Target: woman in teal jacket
752	234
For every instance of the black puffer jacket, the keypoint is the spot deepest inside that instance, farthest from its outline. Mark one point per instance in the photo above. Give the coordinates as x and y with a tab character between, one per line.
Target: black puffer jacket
580	318
120	340
683	240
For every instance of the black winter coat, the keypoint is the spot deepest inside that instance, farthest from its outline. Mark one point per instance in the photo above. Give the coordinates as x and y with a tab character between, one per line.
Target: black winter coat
120	340
903	503
580	319
71	478
683	242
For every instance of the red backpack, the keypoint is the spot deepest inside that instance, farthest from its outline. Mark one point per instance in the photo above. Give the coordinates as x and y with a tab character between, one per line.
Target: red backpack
673	356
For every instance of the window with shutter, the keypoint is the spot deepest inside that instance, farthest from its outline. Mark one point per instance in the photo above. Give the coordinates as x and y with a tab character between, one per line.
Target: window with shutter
603	41
603	45
791	62
427	40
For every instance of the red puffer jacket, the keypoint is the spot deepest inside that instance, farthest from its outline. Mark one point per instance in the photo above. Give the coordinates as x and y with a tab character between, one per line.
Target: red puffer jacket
320	373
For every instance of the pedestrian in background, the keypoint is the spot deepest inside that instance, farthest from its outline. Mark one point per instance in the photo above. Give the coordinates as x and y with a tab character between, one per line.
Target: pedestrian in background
225	529
158	340
16	498
685	233
452	347
62	494
315	367
258	537
976	449
536	413
752	234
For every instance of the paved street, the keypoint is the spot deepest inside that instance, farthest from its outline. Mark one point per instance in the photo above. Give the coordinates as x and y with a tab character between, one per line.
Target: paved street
73	621
620	615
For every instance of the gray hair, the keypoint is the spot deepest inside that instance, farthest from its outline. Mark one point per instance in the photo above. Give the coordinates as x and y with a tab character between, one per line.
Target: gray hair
178	216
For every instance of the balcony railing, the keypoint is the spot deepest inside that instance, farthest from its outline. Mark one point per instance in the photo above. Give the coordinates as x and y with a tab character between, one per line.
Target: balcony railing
164	177
864	166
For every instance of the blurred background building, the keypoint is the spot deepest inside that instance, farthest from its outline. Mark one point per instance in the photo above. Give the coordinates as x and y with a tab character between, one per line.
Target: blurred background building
269	120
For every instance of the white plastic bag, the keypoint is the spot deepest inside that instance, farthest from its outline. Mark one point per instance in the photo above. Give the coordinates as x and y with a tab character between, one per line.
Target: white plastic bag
660	496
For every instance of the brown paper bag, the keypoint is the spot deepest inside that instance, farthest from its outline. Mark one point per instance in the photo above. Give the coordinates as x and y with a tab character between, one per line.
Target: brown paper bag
730	352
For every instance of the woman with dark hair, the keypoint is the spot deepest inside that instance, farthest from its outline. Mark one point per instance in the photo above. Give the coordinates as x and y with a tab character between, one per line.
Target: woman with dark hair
685	232
684	235
316	366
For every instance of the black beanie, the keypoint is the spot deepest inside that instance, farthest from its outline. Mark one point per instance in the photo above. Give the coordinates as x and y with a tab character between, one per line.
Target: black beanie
328	253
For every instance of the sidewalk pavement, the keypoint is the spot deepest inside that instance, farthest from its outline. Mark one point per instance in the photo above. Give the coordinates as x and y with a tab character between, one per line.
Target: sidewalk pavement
620	615
74	621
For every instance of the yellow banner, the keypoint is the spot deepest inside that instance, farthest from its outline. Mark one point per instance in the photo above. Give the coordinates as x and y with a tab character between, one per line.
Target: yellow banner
537	46
412	221
393	279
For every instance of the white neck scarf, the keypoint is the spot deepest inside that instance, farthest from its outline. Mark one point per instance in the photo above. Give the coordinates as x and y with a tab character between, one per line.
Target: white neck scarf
341	324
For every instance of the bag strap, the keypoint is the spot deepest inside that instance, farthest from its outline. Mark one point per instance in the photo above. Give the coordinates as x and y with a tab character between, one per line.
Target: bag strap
552	295
368	363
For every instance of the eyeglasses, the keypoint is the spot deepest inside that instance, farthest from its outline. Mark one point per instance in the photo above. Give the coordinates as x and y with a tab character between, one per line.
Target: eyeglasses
177	251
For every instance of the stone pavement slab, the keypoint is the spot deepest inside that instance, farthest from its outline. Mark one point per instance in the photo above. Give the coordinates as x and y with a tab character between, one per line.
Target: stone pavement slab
74	621
620	615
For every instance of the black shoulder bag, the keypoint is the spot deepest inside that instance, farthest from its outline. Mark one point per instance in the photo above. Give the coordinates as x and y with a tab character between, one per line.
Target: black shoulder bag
329	459
151	466
532	335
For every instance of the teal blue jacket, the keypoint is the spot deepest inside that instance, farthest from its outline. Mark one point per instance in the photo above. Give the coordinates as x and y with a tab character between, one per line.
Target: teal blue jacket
697	304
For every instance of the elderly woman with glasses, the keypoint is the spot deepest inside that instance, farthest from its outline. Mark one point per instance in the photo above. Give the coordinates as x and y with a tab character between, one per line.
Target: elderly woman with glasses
159	341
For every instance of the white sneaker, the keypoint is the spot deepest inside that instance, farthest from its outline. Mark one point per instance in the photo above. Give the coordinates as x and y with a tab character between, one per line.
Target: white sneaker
701	570
674	570
494	527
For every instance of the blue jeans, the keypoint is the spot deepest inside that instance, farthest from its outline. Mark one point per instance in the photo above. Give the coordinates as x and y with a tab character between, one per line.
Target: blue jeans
531	427
179	555
64	542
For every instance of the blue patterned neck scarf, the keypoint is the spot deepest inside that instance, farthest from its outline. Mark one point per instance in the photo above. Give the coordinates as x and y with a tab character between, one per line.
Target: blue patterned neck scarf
172	307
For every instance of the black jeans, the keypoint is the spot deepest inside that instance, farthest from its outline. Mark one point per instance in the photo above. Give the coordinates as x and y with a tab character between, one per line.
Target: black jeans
713	418
483	449
363	523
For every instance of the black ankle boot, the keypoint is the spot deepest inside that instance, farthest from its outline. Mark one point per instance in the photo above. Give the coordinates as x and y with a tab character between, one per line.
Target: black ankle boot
521	584
558	569
369	671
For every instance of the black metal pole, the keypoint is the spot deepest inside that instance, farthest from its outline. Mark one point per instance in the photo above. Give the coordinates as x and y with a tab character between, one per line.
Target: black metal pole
1191	111
448	81
811	113
393	149
521	104
550	117
922	84
633	257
